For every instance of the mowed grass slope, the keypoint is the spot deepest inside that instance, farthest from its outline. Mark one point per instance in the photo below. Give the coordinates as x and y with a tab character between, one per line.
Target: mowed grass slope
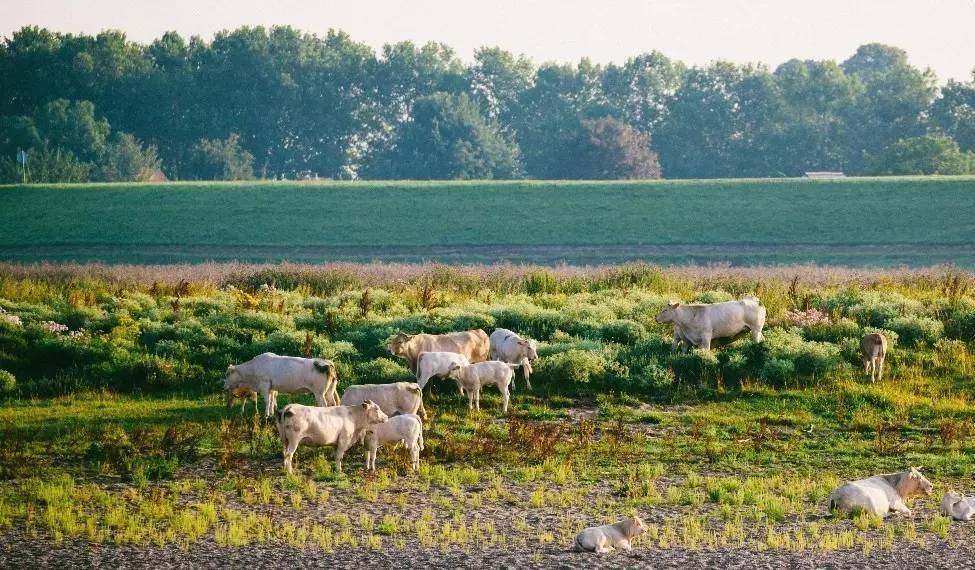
867	221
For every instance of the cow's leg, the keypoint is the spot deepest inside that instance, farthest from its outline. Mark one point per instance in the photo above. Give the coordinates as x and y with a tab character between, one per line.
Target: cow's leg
320	400
289	453
900	508
757	334
705	342
477	398
415	455
470	399
421	409
505	397
340	446
265	390
527	369
880	368
676	343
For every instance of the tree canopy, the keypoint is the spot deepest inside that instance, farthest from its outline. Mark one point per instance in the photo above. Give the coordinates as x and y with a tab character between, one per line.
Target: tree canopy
277	102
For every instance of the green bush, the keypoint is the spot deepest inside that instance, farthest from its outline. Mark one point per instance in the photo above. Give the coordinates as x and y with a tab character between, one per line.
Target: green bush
778	372
573	366
623	331
697	365
8	382
381	371
833	332
961	325
913	331
713	297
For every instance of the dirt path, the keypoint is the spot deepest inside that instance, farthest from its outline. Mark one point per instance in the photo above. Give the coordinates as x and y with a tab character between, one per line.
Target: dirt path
17	551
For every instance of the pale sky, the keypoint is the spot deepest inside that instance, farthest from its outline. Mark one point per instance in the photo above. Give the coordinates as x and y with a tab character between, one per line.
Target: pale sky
936	33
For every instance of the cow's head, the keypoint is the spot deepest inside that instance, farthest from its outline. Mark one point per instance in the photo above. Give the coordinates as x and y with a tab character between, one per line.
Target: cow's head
920	482
232	379
374	415
529	349
635	526
453	370
667	315
397	344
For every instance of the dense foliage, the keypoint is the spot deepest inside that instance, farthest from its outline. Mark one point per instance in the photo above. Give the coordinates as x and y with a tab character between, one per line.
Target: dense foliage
289	104
597	333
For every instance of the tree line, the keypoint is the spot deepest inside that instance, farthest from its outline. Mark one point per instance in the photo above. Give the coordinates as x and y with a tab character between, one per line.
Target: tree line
280	103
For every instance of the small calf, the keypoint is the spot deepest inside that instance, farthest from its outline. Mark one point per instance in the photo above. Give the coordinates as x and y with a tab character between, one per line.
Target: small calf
245	393
604	538
475	376
407	428
958	507
873	350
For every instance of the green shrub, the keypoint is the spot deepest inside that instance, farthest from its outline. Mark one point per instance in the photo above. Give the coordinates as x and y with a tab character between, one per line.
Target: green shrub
381	371
833	332
8	382
574	366
623	331
696	365
913	331
777	372
713	297
961	325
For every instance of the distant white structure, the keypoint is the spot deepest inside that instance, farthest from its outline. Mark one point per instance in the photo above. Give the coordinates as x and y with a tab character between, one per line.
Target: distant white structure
824	175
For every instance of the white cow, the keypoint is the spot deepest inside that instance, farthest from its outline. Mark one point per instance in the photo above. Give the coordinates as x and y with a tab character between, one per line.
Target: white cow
406	428
508	346
269	373
873	351
341	426
699	324
437	365
601	539
475	376
397	398
880	494
958	507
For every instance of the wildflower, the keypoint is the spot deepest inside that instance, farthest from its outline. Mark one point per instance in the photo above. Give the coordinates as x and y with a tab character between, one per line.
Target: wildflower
53	327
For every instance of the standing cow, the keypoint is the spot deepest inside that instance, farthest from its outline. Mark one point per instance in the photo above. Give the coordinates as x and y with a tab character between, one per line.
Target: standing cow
431	365
873	351
508	346
268	374
473	344
699	324
341	426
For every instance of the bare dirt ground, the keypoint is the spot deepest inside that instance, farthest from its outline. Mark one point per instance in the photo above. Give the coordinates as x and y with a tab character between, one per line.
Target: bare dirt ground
19	551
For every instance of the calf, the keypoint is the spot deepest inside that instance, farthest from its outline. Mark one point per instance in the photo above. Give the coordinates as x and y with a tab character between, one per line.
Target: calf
246	394
406	428
601	539
397	398
268	372
475	376
958	507
508	346
873	351
341	426
880	494
437	365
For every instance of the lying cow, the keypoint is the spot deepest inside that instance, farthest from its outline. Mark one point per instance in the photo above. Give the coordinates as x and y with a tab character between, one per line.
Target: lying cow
873	351
880	494
472	344
508	346
601	539
269	373
480	374
341	426
958	507
431	365
699	324
397	398
406	428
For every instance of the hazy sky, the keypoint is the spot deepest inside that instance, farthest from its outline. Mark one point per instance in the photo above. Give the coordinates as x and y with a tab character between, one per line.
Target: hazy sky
936	33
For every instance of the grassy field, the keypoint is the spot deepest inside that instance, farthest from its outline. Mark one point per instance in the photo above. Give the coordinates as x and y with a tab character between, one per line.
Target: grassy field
866	222
113	431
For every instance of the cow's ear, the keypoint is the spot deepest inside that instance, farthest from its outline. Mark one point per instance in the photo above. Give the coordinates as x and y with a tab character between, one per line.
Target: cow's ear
365	403
673	304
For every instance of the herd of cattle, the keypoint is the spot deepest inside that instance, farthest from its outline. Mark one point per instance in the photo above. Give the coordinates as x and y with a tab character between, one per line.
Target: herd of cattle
377	414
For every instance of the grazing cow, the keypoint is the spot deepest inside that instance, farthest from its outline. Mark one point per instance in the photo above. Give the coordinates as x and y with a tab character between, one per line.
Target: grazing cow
397	398
880	494
508	346
473	344
406	428
602	539
475	376
245	393
958	507
437	365
269	373
341	426
699	324
873	351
